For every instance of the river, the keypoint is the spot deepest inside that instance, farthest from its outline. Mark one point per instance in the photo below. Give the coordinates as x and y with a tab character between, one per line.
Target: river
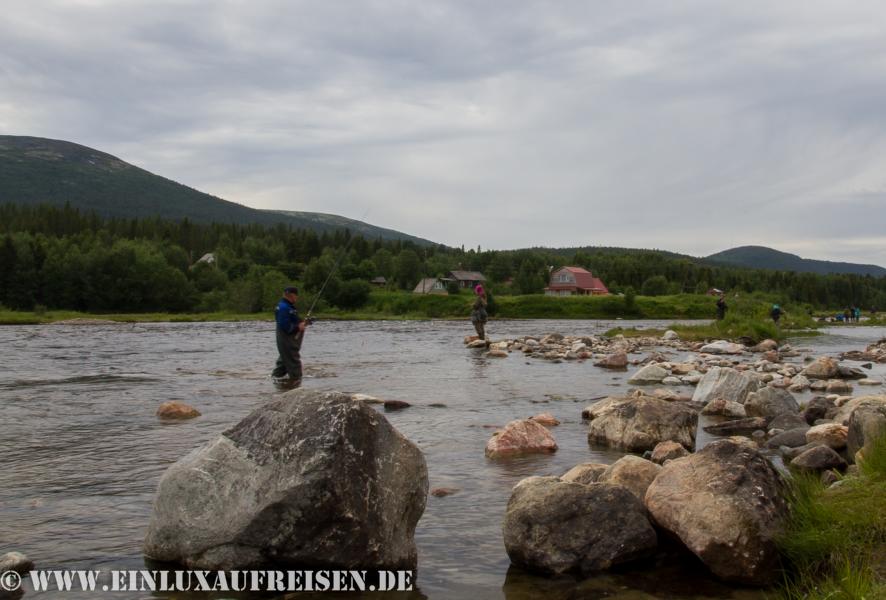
82	451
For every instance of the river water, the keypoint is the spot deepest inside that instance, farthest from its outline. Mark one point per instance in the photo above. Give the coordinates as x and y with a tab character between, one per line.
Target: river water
81	451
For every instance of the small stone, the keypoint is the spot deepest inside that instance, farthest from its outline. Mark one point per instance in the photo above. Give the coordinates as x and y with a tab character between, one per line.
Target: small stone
546	419
396	404
177	410
443	491
17	562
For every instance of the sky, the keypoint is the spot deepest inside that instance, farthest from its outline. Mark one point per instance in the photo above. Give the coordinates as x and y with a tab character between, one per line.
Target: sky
686	126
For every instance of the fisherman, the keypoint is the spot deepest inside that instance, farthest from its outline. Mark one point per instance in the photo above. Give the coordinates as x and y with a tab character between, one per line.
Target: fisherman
290	332
775	313
721	307
478	312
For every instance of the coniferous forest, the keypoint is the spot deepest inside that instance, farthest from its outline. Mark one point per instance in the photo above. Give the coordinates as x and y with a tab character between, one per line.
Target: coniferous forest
62	258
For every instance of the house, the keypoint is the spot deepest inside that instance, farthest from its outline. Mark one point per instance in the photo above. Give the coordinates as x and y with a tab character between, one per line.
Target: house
714	292
568	281
467	279
208	258
431	285
378	281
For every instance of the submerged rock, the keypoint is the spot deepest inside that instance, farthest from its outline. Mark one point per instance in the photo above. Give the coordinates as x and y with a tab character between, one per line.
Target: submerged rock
650	374
555	527
618	360
310	478
725	504
177	410
722	347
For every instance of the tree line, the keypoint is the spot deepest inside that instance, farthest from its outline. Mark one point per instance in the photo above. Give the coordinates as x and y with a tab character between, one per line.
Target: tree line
62	258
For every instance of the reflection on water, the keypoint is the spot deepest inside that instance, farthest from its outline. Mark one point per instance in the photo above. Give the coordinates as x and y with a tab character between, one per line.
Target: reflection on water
82	450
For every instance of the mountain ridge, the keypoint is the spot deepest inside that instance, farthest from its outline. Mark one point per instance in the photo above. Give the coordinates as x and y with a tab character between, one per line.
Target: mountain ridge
44	171
762	257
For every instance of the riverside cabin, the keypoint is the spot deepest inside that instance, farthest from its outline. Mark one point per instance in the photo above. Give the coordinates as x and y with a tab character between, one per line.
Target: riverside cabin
431	285
466	279
575	281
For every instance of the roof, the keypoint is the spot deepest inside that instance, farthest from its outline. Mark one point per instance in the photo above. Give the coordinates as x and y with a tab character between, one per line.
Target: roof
467	275
583	280
378	280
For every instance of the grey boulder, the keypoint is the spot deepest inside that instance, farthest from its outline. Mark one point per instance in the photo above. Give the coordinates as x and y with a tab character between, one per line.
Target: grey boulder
310	479
639	423
555	527
726	383
770	402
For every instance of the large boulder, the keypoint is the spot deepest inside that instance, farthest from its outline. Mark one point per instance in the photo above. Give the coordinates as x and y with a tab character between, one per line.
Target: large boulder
770	402
311	478
640	423
866	423
823	367
602	407
723	382
523	436
650	374
845	410
726	504
632	472
556	527
820	407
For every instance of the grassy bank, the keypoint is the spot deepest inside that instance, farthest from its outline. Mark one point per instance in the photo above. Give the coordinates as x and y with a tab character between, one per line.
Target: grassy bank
835	542
747	316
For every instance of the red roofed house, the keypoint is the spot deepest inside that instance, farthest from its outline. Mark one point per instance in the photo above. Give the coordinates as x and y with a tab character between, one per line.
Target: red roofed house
567	281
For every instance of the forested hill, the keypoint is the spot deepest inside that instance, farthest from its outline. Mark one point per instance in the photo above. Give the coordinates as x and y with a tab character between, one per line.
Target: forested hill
760	257
42	171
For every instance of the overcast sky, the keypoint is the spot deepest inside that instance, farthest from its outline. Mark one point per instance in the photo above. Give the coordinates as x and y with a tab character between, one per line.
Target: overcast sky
686	126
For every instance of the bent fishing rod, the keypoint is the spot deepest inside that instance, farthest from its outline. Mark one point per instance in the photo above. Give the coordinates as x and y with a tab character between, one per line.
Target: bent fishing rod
343	253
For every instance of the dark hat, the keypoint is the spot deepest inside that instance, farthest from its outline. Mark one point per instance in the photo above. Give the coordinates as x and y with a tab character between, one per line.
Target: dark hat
290	290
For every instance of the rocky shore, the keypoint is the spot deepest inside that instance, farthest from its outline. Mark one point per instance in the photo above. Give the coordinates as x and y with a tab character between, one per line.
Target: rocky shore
724	503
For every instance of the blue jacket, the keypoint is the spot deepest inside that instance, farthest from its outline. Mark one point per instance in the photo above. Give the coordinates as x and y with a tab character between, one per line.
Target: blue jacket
287	317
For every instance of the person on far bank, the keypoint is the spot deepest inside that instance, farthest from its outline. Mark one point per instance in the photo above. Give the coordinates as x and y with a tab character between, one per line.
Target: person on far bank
290	332
478	312
721	307
775	313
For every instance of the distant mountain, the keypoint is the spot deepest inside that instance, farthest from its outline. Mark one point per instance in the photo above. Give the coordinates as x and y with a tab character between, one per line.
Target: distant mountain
43	171
760	257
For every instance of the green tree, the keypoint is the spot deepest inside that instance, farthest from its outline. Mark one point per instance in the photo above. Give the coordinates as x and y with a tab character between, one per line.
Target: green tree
656	285
407	269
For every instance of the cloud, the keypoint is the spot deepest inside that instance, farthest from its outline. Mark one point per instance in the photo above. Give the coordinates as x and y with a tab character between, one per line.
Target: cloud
689	126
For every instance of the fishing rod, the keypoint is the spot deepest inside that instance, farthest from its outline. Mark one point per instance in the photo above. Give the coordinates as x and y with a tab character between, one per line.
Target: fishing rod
344	252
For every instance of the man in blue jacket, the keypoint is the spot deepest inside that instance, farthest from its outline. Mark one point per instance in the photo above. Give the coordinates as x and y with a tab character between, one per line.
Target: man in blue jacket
290	330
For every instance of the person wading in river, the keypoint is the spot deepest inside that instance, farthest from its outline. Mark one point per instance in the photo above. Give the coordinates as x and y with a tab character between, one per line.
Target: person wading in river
478	312
290	332
721	307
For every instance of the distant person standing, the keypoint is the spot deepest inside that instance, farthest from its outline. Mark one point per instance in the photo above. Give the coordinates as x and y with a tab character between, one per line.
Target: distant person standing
478	312
290	332
857	314
775	313
847	315
721	307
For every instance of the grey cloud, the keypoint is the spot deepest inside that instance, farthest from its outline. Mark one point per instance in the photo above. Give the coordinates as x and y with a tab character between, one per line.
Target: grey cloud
690	126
